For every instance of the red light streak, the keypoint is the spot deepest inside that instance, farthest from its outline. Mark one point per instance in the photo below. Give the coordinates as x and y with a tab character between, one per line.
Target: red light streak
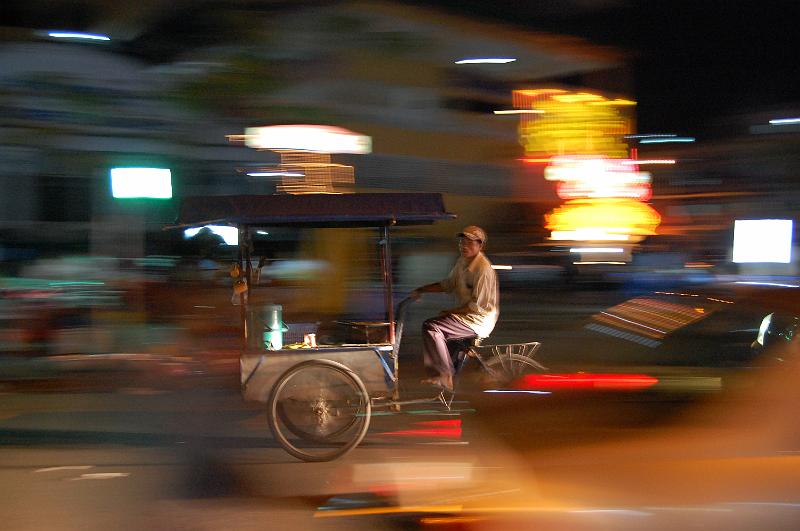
586	381
441	429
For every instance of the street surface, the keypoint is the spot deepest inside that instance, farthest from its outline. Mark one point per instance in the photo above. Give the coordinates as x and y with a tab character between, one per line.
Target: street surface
201	458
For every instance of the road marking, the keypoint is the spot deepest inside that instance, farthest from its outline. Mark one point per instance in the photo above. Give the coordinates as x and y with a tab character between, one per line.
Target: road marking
55	468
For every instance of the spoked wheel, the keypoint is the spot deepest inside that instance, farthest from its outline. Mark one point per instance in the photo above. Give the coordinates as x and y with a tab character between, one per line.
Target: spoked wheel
505	363
319	410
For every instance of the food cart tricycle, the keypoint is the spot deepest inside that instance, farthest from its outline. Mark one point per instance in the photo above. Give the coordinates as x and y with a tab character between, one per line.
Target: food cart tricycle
320	398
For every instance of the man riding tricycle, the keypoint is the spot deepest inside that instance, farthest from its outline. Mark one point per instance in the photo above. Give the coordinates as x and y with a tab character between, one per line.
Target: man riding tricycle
320	396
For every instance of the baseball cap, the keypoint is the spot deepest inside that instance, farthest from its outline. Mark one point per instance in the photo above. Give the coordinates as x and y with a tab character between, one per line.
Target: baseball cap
473	232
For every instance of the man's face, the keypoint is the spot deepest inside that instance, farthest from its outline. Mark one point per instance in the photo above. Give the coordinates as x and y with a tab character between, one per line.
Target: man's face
469	248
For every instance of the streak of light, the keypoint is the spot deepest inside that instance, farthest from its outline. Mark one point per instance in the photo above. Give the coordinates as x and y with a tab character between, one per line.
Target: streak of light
776	284
647	161
625	512
634	322
587	234
274	174
389	510
651	136
596	250
586	381
517	391
785	121
102	475
666	140
77	35
597	263
520	111
69	467
485	60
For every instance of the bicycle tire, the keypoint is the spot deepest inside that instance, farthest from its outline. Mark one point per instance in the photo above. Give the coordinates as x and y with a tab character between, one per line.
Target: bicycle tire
513	367
315	411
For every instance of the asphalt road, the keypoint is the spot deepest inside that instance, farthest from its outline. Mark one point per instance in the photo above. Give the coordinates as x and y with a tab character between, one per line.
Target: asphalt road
199	457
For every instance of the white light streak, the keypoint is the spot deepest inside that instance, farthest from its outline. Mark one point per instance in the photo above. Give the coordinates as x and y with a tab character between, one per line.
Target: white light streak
587	234
504	267
775	284
106	475
314	138
633	322
520	111
647	161
785	121
58	468
275	174
666	140
596	250
652	136
75	35
598	263
485	60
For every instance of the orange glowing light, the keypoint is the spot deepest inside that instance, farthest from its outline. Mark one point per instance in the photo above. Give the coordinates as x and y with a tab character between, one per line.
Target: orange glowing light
614	216
580	97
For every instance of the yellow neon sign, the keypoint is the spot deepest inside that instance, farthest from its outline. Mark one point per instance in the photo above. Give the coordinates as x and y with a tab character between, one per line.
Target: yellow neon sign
578	123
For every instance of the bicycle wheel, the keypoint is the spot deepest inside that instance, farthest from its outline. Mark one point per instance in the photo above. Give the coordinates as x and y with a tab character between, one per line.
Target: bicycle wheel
506	363
319	410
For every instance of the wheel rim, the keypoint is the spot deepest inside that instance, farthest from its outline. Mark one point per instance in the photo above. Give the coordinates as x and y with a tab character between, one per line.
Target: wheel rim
502	370
319	411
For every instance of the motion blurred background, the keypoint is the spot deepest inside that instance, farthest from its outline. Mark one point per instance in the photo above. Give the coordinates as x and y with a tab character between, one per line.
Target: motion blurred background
610	148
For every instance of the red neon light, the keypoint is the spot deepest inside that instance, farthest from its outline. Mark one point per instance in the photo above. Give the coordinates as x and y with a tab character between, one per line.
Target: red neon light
585	381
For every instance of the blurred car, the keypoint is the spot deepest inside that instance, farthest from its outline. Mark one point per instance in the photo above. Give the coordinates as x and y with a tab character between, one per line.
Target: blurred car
644	361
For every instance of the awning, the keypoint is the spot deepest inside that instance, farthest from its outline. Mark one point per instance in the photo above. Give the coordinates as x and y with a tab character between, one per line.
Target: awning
316	210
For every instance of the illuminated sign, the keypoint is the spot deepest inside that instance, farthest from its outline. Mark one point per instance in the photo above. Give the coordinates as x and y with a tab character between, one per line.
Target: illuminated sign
314	138
573	123
762	241
592	176
616	219
305	150
153	183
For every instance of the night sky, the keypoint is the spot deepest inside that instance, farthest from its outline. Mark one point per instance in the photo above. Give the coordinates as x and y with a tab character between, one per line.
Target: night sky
694	61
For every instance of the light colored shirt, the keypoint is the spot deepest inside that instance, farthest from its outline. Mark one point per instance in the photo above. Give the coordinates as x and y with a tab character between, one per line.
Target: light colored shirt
474	284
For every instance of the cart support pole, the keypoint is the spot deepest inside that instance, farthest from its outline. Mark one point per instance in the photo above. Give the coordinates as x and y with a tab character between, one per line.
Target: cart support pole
386	266
244	258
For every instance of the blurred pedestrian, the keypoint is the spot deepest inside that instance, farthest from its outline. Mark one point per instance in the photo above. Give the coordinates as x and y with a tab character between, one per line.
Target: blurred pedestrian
473	283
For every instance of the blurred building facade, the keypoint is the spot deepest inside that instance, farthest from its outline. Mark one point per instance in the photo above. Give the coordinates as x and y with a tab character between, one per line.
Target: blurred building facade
72	111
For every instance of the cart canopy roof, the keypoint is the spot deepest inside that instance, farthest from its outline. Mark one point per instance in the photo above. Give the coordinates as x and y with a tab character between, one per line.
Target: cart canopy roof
314	210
